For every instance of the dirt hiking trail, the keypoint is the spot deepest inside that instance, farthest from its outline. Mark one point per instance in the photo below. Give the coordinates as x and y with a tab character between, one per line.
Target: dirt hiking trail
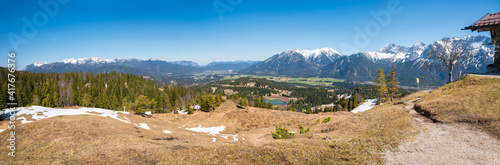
445	143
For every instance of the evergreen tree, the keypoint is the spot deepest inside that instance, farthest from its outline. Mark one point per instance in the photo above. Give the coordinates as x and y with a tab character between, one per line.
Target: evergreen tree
218	99
392	83
86	100
381	87
143	104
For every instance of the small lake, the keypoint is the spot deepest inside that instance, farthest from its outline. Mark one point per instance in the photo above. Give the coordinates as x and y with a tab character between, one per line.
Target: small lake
275	102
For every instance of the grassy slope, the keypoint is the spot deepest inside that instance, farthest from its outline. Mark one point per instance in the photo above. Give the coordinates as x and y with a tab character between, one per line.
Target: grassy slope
347	139
473	100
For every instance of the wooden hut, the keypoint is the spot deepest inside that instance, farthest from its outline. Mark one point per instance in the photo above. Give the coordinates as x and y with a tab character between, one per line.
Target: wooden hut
491	23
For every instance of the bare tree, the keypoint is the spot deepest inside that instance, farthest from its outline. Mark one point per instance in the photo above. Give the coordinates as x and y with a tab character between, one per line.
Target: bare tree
447	53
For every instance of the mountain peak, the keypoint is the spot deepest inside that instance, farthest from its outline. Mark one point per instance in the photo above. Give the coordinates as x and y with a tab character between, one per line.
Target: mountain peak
318	52
37	64
393	48
320	57
95	60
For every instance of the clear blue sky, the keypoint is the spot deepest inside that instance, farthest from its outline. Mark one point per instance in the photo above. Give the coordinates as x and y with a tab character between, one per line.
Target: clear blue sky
251	30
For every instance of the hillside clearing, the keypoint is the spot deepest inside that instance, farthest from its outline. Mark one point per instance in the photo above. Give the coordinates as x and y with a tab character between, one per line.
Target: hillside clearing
245	139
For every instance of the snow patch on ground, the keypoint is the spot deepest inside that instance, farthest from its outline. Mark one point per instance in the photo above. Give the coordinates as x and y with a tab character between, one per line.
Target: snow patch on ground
143	125
167	131
24	120
225	136
39	112
235	139
183	112
1	130
210	130
367	105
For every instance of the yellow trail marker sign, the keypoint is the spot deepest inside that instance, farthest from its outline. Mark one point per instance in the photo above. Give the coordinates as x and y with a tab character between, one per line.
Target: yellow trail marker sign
418	81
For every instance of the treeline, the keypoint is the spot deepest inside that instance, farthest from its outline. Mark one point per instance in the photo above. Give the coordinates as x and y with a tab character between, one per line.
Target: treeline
109	90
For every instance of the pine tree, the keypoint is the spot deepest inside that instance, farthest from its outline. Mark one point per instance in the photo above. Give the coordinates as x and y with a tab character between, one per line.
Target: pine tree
381	87
86	100
246	103
392	83
143	104
218	100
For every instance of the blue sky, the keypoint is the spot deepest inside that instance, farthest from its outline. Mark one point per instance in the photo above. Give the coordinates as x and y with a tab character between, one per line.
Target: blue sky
246	29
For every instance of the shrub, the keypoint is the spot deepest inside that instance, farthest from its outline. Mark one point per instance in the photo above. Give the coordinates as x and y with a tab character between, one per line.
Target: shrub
326	120
302	129
190	110
282	133
318	121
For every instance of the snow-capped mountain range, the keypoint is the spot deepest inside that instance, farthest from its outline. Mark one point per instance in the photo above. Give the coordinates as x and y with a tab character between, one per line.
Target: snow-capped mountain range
321	57
478	44
410	62
99	60
296	63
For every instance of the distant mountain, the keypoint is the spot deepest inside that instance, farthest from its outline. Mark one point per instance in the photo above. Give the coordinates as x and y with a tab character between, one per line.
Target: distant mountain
288	63
320	57
354	67
410	62
98	64
186	63
295	63
325	62
229	65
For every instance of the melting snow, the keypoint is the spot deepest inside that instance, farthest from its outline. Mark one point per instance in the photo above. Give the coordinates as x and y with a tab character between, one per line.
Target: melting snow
1	130
183	112
214	139
235	138
39	112
24	120
210	130
225	135
167	131
143	125
369	104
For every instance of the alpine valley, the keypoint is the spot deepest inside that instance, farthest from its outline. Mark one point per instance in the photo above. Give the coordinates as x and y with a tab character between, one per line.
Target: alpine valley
325	62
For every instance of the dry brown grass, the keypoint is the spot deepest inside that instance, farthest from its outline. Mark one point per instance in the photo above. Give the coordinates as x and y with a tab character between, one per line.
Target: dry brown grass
347	139
473	100
414	96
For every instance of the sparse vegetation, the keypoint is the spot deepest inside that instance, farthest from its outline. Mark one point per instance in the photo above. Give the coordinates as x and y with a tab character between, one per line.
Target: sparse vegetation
282	133
302	130
326	120
473	100
346	139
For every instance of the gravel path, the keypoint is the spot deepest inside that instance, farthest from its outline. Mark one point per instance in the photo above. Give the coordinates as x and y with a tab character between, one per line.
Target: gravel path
443	143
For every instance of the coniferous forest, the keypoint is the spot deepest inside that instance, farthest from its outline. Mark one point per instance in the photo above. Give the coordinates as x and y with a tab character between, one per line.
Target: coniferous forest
108	90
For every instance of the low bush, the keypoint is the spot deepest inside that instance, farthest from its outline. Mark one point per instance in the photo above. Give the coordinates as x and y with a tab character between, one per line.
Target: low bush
282	133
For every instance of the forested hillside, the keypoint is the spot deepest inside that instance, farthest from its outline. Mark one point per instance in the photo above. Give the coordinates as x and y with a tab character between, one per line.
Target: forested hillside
108	90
